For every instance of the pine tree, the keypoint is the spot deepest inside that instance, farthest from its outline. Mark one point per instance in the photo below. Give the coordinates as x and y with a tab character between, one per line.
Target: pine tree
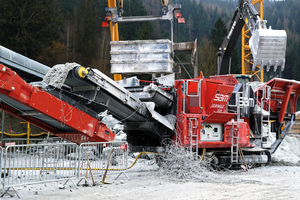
218	33
28	27
207	57
88	27
235	62
145	32
190	29
131	30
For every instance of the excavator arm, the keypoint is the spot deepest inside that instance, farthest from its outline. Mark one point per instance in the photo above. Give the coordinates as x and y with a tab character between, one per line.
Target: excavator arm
268	46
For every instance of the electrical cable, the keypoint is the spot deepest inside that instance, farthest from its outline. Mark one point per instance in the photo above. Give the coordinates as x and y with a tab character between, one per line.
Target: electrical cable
202	156
23	134
129	115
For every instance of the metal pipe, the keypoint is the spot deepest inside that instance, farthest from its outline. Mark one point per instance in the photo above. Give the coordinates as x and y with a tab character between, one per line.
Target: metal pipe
2	129
141	18
172	32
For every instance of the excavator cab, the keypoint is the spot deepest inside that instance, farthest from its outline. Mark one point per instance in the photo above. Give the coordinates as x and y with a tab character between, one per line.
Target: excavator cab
243	78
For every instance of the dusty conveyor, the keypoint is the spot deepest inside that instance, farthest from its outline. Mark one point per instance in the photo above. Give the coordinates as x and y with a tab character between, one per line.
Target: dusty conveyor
87	90
97	92
44	110
27	68
71	103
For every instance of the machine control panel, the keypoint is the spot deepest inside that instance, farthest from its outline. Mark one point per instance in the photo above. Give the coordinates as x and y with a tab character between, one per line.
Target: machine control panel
212	132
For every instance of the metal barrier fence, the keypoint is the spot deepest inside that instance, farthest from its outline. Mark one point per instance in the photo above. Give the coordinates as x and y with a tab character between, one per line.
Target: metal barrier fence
103	156
39	163
21	141
1	162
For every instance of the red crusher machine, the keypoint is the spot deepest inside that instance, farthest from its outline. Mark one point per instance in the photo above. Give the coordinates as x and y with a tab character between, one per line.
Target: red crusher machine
220	114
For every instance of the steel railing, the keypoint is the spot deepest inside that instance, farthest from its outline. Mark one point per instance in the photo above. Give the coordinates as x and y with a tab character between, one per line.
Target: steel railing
40	163
103	156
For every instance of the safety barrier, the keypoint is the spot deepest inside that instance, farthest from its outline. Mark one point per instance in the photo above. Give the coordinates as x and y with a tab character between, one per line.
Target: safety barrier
21	141
103	157
1	161
40	163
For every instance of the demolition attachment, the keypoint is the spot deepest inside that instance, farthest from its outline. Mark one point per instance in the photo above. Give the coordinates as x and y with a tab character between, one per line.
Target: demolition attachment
268	47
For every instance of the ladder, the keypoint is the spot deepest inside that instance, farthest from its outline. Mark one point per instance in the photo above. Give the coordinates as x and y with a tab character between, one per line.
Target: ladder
265	115
194	138
234	158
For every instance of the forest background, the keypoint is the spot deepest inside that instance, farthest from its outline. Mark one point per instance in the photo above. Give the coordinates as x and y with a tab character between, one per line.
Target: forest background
59	31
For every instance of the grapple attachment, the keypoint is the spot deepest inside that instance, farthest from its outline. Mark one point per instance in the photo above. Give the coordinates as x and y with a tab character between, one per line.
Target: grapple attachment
268	48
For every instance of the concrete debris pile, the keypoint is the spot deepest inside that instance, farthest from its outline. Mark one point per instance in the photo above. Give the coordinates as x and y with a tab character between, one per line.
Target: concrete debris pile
288	153
114	125
180	165
110	121
57	75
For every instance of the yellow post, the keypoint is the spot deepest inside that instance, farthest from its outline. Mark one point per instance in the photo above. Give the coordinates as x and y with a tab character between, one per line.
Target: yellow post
114	33
262	17
243	51
27	132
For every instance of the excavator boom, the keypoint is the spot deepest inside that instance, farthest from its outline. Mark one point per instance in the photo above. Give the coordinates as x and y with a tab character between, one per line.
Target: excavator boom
268	46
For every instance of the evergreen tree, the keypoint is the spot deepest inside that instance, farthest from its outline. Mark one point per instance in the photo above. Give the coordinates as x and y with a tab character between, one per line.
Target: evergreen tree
235	61
87	32
207	57
190	29
218	32
28	27
145	32
132	30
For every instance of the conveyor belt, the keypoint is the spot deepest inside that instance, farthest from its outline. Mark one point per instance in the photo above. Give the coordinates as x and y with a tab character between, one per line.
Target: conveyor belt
27	68
47	111
99	89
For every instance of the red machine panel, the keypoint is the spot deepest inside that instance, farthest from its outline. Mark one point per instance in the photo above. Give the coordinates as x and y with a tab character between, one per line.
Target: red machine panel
219	118
283	93
220	96
242	130
21	95
228	79
193	96
187	123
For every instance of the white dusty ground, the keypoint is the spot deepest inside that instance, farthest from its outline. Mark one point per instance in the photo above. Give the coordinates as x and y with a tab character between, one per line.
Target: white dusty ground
261	183
281	180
